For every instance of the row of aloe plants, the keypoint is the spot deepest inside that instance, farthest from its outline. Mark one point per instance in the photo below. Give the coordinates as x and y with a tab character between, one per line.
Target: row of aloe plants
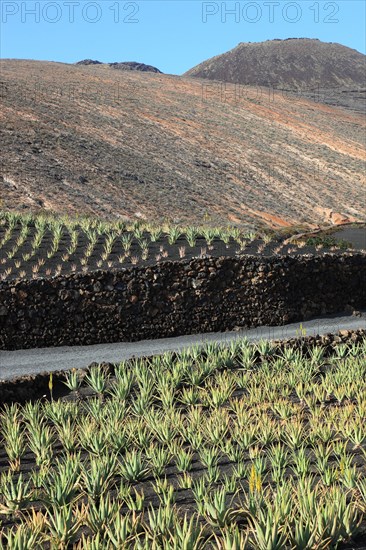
53	245
71	243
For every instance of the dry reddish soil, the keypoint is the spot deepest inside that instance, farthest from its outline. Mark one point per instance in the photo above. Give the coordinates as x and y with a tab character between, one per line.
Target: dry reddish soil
95	140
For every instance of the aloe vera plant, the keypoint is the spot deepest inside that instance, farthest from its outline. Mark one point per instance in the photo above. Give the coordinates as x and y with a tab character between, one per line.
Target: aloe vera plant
63	524
266	531
133	467
231	538
97	379
23	537
216	509
15	495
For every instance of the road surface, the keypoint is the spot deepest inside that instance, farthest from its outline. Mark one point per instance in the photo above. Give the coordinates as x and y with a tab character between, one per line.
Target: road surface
25	362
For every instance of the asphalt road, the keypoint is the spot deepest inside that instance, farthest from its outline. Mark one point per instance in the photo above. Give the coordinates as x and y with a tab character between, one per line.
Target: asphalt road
25	362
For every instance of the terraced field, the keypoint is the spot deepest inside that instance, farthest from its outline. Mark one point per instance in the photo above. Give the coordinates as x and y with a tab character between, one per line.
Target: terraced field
32	246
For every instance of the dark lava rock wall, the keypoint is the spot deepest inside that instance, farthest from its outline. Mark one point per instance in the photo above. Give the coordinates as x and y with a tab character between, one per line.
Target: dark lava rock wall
176	298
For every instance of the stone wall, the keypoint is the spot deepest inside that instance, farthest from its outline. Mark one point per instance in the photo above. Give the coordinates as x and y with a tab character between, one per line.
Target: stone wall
175	298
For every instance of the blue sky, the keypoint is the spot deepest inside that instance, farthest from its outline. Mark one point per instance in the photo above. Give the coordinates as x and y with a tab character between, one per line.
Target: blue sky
172	35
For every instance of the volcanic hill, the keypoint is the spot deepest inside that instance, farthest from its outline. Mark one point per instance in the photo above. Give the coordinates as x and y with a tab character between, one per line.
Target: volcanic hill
322	71
289	63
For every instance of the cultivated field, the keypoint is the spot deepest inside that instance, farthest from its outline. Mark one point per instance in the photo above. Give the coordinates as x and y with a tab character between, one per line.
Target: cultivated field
32	246
218	447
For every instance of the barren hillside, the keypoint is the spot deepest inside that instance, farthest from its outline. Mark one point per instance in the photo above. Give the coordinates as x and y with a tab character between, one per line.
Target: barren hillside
92	139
